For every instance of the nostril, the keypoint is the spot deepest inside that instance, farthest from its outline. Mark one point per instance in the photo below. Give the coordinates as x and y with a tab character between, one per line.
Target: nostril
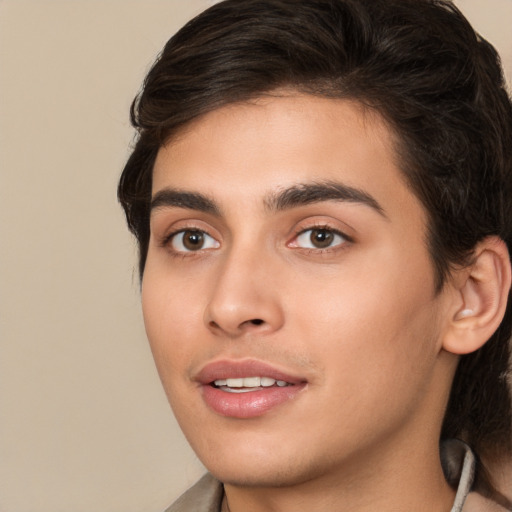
238	329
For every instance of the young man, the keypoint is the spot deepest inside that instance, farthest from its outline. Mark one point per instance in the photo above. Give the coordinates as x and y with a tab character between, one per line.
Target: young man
321	192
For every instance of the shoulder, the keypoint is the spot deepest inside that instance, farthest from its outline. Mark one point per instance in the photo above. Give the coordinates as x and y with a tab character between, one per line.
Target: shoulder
477	503
205	496
459	465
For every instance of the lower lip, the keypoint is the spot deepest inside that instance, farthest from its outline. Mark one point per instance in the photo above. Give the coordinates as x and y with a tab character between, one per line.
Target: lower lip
250	404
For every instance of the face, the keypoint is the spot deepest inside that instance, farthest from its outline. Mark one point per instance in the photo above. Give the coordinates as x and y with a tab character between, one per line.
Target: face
288	294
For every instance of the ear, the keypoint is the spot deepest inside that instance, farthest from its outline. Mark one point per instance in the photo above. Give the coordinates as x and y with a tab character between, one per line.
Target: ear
480	301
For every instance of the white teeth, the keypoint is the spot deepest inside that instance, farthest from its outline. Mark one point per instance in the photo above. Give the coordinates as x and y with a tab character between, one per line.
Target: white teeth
249	382
238	390
235	383
252	382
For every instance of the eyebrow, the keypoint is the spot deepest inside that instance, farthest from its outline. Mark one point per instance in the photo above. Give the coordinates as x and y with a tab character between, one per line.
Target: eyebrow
174	198
294	196
308	193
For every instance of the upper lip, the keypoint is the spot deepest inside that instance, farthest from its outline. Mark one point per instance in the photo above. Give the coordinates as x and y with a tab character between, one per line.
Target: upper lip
226	369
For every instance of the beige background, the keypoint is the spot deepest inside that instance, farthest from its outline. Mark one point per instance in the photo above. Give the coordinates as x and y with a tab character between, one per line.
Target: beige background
84	425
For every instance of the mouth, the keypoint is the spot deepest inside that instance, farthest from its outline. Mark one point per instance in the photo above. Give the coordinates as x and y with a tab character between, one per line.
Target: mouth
247	389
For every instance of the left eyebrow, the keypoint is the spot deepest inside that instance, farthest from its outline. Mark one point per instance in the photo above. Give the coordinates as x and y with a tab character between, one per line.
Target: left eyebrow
303	194
172	198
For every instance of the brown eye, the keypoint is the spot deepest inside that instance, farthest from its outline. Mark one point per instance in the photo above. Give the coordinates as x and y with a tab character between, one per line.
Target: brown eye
191	240
321	238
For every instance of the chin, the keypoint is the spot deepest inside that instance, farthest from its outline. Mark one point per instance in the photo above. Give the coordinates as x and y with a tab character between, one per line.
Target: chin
268	477
265	467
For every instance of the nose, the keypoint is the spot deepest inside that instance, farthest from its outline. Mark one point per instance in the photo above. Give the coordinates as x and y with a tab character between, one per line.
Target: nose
245	296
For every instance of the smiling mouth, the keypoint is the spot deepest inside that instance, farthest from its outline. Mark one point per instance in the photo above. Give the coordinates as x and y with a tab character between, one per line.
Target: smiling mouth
248	388
248	384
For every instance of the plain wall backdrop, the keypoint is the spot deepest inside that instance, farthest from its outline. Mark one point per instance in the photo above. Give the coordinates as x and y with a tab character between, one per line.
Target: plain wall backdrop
84	424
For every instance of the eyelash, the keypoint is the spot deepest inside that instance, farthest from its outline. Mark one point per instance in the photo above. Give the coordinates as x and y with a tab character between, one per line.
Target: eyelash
329	229
168	239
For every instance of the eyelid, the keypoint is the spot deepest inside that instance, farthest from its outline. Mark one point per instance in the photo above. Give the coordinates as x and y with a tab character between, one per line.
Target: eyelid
302	229
168	221
165	237
173	240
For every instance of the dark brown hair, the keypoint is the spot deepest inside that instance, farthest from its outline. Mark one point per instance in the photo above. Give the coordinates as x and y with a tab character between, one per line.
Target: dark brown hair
421	66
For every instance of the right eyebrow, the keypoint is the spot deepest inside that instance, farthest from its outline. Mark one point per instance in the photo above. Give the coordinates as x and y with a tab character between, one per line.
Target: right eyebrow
175	198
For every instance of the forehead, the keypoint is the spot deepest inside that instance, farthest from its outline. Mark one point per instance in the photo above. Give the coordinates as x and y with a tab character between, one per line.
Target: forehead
253	149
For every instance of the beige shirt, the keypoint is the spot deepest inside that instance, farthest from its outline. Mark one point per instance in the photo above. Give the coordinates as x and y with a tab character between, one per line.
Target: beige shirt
458	462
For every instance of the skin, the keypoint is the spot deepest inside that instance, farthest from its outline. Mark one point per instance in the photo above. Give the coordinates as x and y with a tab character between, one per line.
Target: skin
359	320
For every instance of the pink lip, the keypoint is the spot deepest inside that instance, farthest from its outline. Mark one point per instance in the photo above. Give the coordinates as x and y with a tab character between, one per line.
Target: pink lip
243	368
250	404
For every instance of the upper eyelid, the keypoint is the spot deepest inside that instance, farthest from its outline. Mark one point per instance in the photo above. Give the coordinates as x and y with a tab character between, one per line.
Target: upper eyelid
167	242
321	225
165	218
326	227
172	227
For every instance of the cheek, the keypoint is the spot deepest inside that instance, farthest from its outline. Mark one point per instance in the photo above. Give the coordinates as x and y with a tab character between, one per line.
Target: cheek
377	362
171	317
372	323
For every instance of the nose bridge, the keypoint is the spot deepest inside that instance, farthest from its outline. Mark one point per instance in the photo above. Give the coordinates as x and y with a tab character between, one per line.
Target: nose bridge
244	296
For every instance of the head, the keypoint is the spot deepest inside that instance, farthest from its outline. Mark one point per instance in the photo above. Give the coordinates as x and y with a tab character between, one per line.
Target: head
420	68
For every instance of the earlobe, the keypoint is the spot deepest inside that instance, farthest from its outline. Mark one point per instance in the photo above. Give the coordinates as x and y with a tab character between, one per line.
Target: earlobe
481	299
